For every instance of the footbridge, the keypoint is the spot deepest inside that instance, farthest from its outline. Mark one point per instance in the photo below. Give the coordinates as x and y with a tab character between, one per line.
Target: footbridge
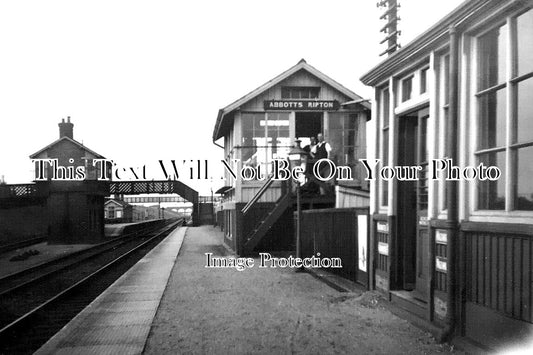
76	208
158	187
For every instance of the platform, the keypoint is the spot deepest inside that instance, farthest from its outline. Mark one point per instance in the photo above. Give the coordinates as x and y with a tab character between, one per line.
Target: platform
47	252
119	320
193	309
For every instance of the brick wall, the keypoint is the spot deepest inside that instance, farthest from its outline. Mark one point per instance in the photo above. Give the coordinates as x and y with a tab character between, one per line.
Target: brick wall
19	223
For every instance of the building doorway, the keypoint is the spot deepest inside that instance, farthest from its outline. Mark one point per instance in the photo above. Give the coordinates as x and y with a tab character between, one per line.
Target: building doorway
413	232
308	124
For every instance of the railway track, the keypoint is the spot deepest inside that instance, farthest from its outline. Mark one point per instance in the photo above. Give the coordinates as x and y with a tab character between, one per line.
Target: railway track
18	279
4	248
33	310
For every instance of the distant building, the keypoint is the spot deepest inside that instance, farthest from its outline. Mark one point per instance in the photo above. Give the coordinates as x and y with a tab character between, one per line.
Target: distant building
69	153
115	209
75	207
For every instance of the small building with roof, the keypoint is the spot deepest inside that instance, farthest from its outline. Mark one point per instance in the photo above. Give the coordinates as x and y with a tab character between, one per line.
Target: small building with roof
69	153
118	211
264	125
75	207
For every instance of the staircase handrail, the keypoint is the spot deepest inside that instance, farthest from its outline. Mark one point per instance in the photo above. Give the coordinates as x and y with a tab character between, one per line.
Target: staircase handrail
258	194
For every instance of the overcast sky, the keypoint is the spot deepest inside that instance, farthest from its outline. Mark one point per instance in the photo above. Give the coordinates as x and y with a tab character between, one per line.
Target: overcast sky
144	80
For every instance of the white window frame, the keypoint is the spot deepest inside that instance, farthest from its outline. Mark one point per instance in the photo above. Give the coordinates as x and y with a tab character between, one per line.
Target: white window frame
509	215
443	106
417	98
427	69
382	207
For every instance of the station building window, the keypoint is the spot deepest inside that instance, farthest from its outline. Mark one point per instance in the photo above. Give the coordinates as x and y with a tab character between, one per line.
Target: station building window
384	111
344	140
424	80
264	137
443	112
300	92
505	111
278	138
407	88
253	138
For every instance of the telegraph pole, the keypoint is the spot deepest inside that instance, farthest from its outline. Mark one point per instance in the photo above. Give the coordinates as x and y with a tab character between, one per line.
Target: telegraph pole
391	27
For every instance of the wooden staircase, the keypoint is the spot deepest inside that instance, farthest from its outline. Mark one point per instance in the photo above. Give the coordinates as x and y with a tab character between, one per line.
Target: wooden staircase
261	229
284	202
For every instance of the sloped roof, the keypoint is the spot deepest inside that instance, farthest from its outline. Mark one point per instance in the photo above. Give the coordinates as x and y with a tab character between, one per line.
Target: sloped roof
70	140
117	202
301	65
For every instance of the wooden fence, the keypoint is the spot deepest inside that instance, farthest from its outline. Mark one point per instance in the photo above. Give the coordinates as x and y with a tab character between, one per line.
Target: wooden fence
338	233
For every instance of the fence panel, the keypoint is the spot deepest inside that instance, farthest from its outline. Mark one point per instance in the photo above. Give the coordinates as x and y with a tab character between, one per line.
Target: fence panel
334	234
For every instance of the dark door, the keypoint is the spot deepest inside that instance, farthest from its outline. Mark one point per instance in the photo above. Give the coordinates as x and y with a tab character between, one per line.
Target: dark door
308	124
413	234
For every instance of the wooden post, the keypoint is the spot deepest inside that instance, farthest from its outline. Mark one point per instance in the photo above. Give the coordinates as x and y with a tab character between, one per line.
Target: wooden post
452	185
298	221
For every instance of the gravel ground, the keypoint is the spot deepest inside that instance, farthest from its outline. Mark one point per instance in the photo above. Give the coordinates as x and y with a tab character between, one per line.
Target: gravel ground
278	311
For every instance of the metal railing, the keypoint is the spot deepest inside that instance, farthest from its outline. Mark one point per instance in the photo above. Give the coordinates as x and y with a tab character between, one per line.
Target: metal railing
19	190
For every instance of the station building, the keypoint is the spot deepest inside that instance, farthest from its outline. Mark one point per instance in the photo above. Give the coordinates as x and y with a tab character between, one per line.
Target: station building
69	153
118	210
75	209
264	125
457	254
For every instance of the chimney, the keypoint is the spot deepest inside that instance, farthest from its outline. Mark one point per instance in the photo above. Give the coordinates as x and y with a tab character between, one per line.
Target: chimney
66	128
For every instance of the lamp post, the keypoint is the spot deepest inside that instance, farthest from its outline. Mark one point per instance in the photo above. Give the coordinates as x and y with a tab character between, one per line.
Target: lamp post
297	156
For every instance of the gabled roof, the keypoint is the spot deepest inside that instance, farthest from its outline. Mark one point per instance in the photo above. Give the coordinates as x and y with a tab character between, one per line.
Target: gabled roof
301	65
70	140
117	202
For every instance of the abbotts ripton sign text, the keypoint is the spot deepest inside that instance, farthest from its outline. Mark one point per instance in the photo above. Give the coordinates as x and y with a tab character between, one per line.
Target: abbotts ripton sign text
295	105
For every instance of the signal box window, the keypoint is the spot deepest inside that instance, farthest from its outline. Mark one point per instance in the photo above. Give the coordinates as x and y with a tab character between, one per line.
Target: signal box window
300	92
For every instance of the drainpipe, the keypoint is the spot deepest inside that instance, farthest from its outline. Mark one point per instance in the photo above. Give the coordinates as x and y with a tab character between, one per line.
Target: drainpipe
451	195
218	145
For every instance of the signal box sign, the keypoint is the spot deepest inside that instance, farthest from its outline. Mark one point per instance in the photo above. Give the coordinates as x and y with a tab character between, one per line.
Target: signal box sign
302	105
